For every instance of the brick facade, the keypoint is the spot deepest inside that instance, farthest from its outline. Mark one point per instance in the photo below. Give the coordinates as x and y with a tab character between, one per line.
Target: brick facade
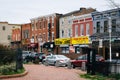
26	35
45	29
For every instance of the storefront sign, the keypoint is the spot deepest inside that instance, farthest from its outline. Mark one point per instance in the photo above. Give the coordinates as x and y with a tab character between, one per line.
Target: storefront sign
80	40
62	41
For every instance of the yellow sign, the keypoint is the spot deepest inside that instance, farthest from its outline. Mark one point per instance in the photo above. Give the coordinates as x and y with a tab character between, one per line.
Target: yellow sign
80	40
62	41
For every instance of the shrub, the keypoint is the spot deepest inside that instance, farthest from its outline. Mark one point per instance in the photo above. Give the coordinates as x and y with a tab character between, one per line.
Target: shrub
7	55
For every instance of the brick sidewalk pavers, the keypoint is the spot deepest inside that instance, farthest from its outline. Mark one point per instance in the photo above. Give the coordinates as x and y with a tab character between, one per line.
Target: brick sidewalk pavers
41	72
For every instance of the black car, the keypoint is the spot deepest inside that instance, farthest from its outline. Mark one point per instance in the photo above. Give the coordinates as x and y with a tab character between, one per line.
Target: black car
41	56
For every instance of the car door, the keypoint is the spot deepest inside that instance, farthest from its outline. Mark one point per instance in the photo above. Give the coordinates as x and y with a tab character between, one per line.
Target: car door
53	60
80	60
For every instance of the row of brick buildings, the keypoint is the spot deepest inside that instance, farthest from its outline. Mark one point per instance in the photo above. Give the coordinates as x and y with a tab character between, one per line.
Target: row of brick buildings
58	33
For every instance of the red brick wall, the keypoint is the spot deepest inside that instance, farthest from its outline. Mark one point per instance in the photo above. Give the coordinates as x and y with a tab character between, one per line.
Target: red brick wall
26	27
16	34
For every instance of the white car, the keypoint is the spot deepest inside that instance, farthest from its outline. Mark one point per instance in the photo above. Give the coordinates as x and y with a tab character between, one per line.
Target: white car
57	60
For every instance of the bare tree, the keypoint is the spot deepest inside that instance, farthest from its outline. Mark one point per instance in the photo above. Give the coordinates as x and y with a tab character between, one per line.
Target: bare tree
112	4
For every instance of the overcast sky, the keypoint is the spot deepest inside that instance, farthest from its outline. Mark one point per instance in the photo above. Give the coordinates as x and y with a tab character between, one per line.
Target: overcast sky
21	11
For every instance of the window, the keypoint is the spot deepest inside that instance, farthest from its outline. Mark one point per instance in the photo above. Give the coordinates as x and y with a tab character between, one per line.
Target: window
26	34
77	50
87	29
52	22
48	36
44	24
69	33
40	25
114	14
76	30
62	33
65	50
82	29
98	27
32	26
52	36
97	17
9	37
3	28
105	26
44	37
114	25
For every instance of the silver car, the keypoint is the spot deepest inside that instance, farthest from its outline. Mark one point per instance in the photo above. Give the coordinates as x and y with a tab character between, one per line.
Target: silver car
57	60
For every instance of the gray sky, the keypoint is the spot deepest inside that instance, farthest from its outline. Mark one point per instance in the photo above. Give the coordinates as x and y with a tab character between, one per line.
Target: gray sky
21	11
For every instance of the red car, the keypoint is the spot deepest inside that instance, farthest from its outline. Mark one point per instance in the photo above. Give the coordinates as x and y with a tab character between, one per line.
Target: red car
83	58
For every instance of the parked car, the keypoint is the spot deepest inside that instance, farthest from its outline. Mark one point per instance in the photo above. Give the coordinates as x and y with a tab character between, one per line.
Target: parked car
41	56
57	60
25	54
34	56
82	59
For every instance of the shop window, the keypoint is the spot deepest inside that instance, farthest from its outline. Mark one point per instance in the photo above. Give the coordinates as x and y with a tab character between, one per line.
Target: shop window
77	50
65	50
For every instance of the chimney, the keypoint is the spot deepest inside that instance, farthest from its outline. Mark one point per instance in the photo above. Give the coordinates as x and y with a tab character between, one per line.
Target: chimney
82	8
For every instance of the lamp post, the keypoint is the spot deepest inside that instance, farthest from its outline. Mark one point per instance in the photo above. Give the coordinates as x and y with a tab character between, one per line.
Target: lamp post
110	56
40	44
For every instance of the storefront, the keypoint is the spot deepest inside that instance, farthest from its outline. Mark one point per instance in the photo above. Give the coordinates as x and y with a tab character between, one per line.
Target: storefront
48	47
73	45
33	47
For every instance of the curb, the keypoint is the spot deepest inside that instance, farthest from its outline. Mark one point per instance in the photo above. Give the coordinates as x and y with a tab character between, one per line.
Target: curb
14	75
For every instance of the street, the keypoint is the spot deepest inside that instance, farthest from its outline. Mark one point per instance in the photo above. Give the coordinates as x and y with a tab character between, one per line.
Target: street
42	72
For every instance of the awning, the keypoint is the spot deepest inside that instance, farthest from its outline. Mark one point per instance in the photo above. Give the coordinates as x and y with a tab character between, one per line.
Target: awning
33	45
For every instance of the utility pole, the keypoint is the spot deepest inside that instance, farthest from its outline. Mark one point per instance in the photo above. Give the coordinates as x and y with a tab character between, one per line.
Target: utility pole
110	29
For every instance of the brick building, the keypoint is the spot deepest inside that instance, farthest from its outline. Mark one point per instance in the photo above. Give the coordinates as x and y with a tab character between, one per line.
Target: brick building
44	30
26	36
70	27
16	37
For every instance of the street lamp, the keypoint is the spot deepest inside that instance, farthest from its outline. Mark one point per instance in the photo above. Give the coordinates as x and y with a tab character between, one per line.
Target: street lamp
40	44
109	18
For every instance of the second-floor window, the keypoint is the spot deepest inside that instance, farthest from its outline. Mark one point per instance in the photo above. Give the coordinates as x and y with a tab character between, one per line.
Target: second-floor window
114	25
105	26
3	28
52	36
87	29
98	27
26	34
76	30
69	33
62	33
82	29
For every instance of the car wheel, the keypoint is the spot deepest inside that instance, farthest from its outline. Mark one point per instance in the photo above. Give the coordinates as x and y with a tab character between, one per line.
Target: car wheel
46	64
72	66
56	64
69	65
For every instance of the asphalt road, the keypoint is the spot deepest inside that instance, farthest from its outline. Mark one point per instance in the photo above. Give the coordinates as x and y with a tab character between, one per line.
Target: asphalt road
42	72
